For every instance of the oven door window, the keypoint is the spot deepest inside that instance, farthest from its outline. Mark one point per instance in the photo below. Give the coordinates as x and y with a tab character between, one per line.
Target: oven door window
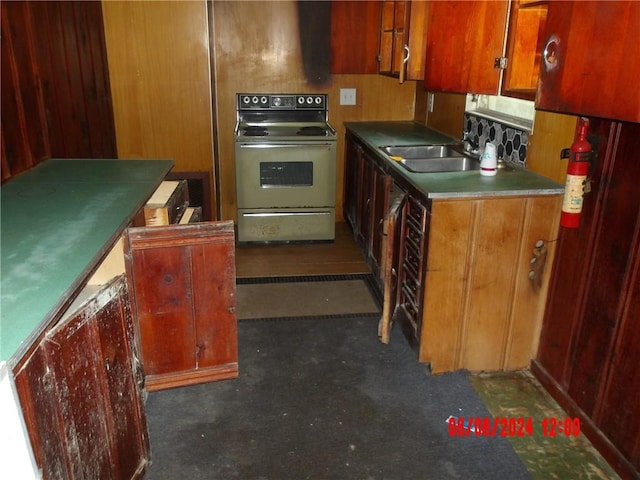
286	174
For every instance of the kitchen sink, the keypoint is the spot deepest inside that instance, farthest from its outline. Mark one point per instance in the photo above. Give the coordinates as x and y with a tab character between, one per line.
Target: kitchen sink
431	158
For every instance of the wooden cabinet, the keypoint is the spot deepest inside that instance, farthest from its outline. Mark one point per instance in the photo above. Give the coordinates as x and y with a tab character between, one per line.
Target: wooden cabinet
81	392
182	288
463	40
476	62
588	357
354	36
483	298
470	278
591	60
366	202
403	39
525	40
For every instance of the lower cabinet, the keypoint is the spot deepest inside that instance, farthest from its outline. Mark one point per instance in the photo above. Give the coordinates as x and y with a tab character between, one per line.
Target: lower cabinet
486	273
182	288
169	322
81	393
367	194
465	278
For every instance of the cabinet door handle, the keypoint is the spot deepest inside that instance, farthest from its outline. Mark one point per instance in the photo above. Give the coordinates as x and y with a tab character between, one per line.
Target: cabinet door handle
403	67
551	53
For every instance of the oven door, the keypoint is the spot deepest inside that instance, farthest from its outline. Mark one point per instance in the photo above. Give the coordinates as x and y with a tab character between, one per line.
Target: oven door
286	175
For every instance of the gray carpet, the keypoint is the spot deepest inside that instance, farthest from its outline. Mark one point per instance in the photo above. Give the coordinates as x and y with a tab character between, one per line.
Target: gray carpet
323	400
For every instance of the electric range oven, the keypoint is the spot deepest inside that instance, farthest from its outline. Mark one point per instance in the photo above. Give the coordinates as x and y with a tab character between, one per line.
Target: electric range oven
285	158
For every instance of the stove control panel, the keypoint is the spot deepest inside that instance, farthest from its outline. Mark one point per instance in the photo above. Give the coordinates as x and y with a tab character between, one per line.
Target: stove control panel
261	101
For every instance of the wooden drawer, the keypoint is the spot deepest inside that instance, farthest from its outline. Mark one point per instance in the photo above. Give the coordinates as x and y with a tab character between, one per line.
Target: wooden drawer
167	204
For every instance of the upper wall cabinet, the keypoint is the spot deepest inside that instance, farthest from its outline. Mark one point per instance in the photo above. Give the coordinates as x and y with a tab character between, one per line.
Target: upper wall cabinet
464	39
354	36
403	39
525	40
591	60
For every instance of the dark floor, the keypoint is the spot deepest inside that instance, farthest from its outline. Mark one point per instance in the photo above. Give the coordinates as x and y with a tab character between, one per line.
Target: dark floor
508	395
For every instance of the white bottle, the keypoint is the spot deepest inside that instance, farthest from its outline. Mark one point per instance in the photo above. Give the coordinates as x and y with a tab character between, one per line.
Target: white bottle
489	161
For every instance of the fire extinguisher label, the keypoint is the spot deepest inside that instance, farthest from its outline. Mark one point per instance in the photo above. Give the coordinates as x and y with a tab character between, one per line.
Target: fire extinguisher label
573	193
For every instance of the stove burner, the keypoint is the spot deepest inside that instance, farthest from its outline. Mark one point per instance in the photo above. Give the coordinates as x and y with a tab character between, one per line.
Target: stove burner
312	130
255	131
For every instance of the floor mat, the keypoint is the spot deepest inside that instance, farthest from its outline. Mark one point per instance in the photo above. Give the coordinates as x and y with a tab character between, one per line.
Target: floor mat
324	400
326	296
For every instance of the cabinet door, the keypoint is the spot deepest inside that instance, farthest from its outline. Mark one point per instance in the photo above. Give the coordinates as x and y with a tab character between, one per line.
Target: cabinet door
591	61
351	165
463	40
525	41
392	31
354	36
82	404
390	264
364	207
402	39
380	204
411	269
182	286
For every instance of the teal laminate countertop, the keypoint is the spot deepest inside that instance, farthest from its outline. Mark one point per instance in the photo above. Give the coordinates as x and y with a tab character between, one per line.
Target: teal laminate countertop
58	220
470	184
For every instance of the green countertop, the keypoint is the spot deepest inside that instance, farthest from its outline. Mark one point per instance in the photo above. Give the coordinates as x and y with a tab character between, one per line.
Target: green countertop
58	220
470	184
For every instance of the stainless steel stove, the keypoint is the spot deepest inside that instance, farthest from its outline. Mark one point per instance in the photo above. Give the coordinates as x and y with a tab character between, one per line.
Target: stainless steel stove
285	153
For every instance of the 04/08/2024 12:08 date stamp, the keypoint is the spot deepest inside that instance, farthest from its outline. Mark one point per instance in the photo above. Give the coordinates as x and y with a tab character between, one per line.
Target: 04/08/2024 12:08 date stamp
512	426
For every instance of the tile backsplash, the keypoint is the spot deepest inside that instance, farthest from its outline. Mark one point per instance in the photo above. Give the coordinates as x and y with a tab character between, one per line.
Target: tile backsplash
511	143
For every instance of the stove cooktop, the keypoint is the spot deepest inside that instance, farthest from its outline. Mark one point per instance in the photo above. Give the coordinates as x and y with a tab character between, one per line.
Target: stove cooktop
295	131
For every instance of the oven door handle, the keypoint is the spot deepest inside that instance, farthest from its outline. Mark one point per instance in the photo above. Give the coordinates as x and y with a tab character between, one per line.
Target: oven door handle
283	145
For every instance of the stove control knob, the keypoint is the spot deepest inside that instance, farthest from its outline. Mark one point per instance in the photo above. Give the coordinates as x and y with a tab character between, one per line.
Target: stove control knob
277	101
301	100
254	100
318	100
263	100
309	100
246	99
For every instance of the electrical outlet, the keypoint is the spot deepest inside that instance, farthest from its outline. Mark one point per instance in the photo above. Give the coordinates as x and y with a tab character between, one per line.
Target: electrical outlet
347	96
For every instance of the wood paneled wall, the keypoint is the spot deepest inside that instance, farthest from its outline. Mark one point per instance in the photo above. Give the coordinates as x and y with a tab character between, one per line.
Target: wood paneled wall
159	67
56	100
252	55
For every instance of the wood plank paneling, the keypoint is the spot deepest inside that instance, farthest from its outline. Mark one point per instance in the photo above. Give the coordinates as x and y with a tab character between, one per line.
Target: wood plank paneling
55	99
25	139
160	75
481	312
588	353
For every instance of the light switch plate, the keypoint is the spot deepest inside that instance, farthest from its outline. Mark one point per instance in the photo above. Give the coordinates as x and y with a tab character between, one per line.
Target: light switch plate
347	96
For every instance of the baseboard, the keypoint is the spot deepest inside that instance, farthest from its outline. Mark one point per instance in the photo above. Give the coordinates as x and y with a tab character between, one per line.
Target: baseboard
192	377
600	442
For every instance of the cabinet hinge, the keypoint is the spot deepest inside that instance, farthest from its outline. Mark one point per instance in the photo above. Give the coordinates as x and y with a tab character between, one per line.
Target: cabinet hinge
500	63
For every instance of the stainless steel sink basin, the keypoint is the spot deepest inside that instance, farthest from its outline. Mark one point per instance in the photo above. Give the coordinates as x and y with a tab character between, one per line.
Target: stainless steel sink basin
431	158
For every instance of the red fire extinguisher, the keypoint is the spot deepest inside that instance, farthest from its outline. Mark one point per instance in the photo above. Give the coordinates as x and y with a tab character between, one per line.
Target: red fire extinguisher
577	171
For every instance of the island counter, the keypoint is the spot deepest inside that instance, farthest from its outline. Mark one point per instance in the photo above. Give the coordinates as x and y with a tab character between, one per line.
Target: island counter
58	221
